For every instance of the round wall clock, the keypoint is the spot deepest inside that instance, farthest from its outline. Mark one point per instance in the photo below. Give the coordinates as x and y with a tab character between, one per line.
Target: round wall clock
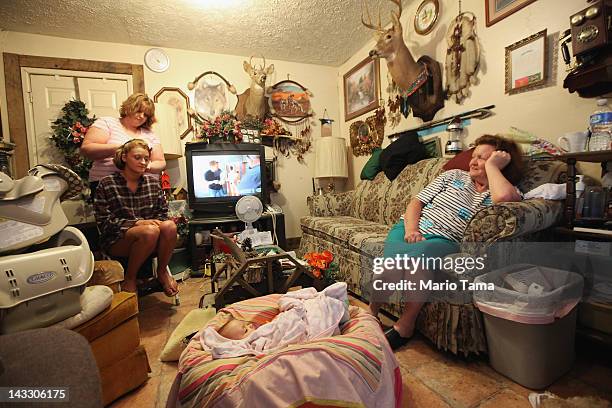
157	60
426	16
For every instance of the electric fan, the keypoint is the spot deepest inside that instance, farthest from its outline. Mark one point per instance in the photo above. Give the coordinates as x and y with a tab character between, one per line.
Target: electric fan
249	209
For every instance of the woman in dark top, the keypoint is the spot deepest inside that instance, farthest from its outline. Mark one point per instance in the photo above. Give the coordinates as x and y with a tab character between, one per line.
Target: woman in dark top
132	214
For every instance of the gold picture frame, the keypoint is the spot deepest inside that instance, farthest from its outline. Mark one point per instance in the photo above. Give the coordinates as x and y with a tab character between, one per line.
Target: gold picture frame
497	10
526	63
362	88
426	16
179	101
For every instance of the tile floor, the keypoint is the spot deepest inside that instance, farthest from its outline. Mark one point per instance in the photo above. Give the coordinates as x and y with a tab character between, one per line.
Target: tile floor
431	378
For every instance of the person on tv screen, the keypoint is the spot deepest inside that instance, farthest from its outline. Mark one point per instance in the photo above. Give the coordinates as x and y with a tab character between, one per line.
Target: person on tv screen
213	179
233	178
251	181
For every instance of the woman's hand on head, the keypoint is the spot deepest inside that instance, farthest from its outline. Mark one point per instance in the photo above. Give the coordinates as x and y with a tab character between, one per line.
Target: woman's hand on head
499	159
413	236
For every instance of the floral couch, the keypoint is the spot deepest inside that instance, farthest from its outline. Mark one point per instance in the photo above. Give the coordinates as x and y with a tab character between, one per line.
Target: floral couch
354	225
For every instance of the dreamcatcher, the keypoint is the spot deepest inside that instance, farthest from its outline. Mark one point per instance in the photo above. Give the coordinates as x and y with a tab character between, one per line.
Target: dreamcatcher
289	103
210	95
462	55
368	135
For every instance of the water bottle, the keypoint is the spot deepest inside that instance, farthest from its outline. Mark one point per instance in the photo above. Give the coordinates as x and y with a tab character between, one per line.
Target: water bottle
600	123
580	187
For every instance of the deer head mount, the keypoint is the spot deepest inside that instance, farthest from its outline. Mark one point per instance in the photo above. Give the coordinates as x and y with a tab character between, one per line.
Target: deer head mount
419	81
253	102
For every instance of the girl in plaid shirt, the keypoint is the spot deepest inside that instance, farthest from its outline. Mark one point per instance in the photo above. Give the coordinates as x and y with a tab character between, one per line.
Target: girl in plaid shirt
132	214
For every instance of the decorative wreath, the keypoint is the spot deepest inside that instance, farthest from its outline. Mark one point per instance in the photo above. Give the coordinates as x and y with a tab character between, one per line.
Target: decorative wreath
68	133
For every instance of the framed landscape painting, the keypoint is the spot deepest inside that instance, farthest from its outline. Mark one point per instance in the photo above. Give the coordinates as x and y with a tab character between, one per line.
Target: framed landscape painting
497	10
361	88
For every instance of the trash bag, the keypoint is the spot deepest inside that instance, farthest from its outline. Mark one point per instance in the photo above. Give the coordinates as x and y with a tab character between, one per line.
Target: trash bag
528	293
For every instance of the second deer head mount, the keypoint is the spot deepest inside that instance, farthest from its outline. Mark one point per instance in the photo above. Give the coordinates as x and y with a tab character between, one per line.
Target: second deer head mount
252	102
419	81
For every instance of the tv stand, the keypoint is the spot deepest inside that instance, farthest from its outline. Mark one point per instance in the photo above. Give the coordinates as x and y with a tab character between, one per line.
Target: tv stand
201	251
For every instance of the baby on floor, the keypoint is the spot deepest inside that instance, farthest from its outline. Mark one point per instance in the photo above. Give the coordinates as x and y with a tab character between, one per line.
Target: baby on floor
304	315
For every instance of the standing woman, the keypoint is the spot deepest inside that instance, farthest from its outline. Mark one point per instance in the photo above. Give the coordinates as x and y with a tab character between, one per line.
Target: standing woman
132	215
107	134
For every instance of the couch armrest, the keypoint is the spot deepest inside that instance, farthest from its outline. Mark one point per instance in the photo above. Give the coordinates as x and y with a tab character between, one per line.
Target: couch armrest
107	273
330	205
506	221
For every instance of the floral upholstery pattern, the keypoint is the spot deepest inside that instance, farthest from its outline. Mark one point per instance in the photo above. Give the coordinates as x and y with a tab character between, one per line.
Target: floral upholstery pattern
331	204
354	225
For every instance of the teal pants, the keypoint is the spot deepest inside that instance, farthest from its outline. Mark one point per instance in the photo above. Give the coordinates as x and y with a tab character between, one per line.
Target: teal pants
433	246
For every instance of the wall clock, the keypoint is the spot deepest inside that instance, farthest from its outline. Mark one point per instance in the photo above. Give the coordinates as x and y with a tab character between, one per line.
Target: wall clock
426	16
157	60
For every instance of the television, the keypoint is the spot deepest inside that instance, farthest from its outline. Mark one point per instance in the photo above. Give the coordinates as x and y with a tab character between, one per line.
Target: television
219	174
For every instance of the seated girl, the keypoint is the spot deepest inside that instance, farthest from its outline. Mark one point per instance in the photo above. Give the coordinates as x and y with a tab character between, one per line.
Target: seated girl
304	315
132	215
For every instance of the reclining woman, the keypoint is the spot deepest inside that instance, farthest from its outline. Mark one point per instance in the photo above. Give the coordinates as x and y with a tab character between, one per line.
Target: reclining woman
436	218
132	215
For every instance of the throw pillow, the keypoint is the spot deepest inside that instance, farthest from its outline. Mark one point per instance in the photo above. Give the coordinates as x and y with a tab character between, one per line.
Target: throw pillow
460	161
192	323
372	167
407	149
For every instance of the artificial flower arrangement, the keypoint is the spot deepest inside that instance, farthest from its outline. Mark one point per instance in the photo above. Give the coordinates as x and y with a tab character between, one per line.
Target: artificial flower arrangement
271	127
224	128
68	133
322	265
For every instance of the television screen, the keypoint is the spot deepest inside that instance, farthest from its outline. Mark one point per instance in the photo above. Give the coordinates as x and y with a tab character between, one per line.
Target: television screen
218	174
226	175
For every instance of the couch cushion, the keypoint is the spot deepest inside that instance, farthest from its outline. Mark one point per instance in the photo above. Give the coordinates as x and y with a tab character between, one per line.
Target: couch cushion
352	233
123	307
367	198
407	185
541	172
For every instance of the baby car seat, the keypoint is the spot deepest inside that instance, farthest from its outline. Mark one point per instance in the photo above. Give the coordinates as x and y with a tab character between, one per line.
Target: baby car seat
44	265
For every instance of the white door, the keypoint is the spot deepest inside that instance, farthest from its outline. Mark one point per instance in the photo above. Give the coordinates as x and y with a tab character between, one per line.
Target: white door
48	95
103	97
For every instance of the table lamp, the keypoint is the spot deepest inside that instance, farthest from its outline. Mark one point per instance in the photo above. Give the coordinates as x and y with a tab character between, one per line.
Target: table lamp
330	160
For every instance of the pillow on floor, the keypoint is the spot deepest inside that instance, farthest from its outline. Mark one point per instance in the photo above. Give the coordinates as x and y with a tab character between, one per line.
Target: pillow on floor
193	322
372	167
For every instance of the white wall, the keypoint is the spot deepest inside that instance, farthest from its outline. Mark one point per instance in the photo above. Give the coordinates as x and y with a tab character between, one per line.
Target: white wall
295	178
548	113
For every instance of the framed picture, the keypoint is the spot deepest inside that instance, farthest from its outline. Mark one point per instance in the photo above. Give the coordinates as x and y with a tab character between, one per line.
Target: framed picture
497	10
526	63
361	88
433	147
180	101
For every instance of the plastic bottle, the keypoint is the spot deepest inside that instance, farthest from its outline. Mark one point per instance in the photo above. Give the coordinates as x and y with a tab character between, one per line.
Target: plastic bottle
580	187
600	123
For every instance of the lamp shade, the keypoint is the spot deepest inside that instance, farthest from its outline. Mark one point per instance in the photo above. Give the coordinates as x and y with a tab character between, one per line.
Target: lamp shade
330	158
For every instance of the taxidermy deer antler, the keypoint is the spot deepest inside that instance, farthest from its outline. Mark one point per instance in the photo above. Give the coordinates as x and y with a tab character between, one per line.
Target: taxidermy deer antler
252	102
419	81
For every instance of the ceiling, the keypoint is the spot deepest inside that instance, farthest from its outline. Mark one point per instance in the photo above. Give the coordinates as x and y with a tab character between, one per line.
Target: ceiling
325	32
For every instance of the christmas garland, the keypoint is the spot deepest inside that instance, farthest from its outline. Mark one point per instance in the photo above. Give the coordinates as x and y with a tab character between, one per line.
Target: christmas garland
68	133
